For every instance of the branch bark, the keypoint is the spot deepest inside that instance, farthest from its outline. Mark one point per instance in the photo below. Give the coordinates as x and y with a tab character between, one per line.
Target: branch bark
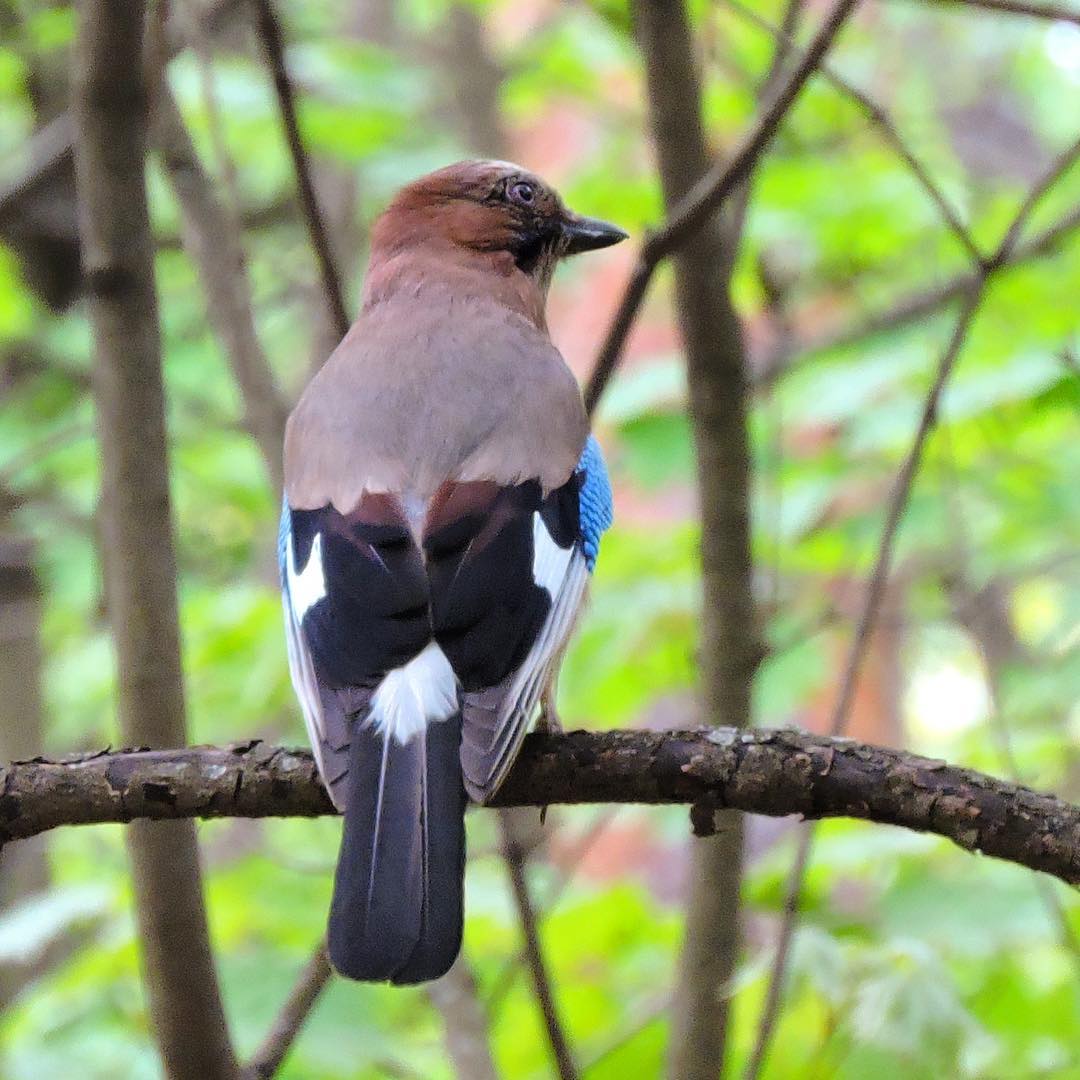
1049	11
707	195
274	46
271	1052
212	238
771	772
915	306
718	388
515	858
110	108
465	1022
897	506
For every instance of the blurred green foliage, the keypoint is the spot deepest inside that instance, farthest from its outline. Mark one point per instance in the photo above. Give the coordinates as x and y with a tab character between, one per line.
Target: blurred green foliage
914	959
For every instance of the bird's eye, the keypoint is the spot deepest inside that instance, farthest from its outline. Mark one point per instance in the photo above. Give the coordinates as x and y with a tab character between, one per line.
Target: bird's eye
523	193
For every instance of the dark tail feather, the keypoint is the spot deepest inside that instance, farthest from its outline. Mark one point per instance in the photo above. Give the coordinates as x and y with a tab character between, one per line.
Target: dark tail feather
397	908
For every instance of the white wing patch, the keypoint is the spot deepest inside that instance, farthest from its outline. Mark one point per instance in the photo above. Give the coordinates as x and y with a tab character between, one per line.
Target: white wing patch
308	587
332	767
418	693
549	560
497	719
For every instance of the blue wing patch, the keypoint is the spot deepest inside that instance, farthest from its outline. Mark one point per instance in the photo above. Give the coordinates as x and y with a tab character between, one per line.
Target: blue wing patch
283	537
594	500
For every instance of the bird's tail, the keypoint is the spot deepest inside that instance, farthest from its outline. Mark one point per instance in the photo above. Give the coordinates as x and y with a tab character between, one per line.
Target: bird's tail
397	909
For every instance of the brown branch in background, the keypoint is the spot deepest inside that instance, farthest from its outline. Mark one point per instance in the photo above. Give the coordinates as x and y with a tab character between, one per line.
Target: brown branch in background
735	218
880	118
918	305
984	613
273	45
224	165
271	1052
718	381
465	1024
503	982
706	197
853	665
24	870
1061	164
897	506
761	771
211	237
1050	11
514	856
111	98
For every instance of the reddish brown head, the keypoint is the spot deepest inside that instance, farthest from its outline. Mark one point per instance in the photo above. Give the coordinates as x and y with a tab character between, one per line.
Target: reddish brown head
491	208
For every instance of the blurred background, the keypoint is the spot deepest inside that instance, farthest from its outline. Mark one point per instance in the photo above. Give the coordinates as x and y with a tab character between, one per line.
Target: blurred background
912	958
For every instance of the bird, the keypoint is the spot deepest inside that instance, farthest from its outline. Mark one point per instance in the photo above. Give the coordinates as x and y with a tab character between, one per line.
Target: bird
443	507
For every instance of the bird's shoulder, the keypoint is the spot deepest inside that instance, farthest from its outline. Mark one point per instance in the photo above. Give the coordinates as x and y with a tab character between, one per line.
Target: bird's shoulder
430	386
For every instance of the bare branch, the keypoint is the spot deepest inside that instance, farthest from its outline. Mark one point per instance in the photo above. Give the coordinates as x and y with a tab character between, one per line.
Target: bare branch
1051	11
917	305
879	117
465	1022
212	238
514	857
775	773
717	382
273	45
770	1009
879	577
503	983
707	196
311	982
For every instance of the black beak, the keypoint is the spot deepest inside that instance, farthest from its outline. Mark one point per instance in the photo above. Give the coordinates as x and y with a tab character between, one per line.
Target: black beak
589	234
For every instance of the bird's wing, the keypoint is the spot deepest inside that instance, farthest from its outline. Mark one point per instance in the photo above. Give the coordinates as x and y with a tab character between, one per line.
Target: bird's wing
329	743
543	577
355	598
381	705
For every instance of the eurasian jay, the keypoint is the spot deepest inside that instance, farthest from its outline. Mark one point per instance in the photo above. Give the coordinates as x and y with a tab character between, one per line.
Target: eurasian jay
444	503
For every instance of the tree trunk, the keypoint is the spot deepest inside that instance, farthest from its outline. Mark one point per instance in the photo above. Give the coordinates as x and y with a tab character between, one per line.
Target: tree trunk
110	105
717	376
24	869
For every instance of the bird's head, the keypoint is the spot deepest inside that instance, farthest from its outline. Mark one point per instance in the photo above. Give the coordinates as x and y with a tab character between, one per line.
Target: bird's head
494	208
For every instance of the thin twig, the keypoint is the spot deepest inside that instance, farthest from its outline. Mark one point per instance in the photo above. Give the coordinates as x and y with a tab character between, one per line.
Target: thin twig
273	45
785	42
202	44
1051	11
465	1022
545	996
993	658
705	197
1058	168
879	579
879	117
211	235
271	1052
505	979
915	306
44	447
770	1009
